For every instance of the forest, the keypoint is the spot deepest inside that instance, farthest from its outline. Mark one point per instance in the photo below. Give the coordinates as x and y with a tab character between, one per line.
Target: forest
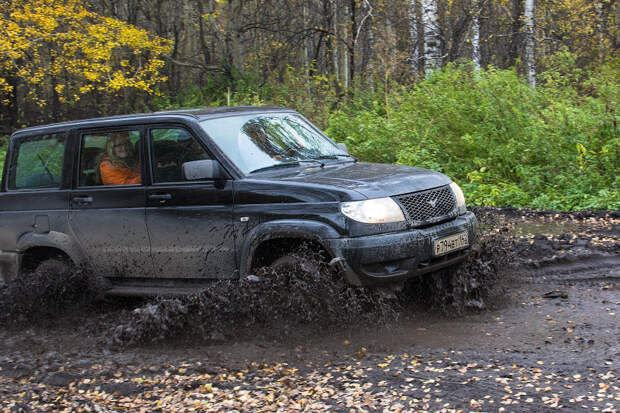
516	100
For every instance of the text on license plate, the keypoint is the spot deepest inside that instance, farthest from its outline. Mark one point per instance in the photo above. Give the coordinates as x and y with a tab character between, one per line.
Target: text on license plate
454	242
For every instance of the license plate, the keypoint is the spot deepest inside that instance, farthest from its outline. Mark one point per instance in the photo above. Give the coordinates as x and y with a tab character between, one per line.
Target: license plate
452	243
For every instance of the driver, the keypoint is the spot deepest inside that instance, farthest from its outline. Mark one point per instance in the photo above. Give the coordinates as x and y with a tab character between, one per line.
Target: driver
119	166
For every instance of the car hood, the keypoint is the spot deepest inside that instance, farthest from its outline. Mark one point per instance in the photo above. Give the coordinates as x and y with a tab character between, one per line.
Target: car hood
372	180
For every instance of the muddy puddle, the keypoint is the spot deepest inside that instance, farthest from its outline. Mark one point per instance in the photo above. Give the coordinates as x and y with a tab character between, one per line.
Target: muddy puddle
528	323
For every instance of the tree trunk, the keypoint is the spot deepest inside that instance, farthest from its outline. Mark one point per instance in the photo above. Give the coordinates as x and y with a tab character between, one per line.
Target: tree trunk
601	29
529	42
335	43
345	49
236	36
371	66
617	24
306	48
516	37
413	37
353	26
204	48
475	34
432	36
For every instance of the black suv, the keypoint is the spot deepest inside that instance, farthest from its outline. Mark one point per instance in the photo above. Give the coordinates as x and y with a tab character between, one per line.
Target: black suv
171	199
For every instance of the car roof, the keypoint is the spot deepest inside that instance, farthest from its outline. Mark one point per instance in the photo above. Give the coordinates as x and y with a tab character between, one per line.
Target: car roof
197	114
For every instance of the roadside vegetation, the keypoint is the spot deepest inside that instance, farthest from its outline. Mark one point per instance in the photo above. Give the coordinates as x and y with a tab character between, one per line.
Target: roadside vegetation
553	147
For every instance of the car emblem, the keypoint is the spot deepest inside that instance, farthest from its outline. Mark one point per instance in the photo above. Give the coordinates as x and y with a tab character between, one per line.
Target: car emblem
432	203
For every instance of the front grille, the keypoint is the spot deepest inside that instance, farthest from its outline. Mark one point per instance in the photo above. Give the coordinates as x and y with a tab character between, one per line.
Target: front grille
429	206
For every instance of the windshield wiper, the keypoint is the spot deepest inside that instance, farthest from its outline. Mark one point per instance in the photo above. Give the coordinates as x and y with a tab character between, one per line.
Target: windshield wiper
286	165
335	156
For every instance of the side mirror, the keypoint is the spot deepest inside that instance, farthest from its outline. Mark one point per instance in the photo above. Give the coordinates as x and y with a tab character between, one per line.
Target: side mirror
204	169
342	146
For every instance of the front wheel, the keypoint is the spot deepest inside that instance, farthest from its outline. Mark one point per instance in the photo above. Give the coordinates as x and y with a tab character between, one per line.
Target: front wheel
303	262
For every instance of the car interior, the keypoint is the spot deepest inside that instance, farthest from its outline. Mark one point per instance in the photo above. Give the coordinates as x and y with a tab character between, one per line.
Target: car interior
93	152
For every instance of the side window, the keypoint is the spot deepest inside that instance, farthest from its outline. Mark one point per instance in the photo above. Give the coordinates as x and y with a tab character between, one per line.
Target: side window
38	162
170	148
110	158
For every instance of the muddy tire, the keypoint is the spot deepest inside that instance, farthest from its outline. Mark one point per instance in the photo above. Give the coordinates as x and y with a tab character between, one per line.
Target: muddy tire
51	267
301	262
40	292
50	271
49	278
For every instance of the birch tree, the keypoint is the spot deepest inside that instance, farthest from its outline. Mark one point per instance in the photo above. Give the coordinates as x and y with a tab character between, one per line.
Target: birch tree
529	42
432	36
475	33
413	36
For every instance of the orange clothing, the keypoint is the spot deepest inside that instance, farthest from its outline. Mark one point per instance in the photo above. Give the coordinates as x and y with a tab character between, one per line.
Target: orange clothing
115	174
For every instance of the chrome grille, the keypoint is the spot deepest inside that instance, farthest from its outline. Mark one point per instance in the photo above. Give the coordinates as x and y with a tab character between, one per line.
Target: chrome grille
428	206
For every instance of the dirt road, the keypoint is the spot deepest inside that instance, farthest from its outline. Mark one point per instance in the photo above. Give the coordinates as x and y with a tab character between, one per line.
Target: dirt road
548	339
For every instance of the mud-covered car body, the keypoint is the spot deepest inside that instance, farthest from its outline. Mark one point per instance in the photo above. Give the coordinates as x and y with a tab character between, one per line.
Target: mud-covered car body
199	214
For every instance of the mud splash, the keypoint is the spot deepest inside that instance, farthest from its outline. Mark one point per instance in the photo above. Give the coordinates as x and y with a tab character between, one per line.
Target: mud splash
52	289
280	301
476	284
275	302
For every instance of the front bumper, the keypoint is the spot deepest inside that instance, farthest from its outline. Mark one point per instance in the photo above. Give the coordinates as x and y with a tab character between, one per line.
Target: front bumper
386	258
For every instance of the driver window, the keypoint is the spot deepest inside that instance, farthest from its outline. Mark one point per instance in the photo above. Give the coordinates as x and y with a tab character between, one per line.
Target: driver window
110	158
170	149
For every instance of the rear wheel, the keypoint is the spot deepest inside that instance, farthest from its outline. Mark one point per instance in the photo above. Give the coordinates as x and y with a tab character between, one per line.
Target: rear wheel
51	277
51	267
58	278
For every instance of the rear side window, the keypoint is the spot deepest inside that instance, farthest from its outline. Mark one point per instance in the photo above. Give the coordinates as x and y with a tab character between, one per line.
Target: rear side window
38	162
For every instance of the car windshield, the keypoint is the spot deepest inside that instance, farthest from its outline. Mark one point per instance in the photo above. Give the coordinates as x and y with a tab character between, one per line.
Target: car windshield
257	142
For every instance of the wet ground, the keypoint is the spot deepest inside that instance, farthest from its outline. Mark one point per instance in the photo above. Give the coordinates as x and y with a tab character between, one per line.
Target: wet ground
545	337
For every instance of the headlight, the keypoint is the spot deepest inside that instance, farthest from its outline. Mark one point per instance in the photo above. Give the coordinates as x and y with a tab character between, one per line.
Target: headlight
373	211
460	198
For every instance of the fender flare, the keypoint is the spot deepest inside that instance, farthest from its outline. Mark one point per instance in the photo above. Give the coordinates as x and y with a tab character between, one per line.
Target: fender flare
52	239
288	228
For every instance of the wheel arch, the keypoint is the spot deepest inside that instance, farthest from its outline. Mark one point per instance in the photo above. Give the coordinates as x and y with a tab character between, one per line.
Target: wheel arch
34	248
264	235
32	257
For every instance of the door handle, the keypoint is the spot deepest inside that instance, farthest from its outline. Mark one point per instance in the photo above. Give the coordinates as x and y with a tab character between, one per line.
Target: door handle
162	198
83	200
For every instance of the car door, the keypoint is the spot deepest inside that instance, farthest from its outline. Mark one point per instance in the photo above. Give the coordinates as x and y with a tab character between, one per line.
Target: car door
107	216
189	222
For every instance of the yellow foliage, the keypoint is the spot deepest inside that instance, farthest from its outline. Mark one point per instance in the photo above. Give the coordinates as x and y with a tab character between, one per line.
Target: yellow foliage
64	44
573	23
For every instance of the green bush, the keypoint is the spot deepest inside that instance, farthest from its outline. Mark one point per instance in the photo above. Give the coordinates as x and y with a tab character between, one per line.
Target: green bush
553	147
